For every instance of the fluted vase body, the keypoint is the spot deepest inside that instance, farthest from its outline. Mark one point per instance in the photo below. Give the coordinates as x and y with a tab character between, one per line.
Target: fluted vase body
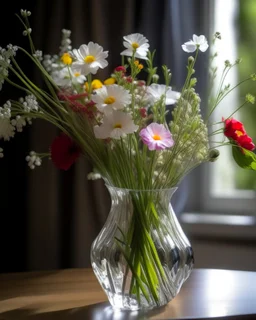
141	257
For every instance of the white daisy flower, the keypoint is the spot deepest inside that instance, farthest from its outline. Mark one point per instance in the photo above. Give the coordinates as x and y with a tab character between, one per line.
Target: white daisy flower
66	77
197	42
89	58
156	91
112	97
138	43
7	130
115	125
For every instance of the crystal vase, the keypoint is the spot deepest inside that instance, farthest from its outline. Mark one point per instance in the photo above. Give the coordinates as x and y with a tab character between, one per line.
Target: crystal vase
141	257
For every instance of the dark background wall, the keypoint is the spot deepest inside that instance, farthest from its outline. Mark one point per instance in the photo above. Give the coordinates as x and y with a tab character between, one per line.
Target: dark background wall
166	24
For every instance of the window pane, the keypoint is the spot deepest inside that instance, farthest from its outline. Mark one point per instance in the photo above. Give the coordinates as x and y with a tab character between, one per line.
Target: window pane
226	178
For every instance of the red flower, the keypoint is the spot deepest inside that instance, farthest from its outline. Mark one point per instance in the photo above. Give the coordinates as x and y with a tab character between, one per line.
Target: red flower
143	112
64	152
235	130
128	79
120	69
246	142
77	106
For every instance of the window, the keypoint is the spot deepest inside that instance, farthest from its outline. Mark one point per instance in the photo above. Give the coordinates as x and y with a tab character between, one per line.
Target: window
226	187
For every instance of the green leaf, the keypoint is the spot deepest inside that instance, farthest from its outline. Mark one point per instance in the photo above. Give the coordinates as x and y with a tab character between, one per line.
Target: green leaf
244	158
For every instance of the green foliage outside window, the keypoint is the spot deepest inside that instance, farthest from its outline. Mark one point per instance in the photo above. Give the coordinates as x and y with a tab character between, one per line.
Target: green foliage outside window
246	26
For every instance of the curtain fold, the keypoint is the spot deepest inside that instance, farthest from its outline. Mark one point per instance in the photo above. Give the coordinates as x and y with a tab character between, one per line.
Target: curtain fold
63	210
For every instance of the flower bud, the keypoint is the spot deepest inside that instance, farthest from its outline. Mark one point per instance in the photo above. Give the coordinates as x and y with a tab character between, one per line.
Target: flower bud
190	60
213	155
155	78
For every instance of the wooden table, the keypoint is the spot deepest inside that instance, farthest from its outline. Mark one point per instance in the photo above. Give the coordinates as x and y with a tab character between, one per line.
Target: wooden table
75	294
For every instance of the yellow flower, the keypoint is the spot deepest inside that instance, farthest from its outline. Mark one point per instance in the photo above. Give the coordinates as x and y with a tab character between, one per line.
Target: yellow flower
66	58
109	81
138	64
96	84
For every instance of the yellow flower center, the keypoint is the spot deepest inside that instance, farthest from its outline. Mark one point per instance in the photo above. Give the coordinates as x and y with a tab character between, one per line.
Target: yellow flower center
118	125
66	58
135	45
239	133
77	74
109	100
89	59
156	137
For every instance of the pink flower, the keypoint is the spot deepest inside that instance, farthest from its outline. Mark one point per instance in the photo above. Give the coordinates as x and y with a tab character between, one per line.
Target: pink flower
156	137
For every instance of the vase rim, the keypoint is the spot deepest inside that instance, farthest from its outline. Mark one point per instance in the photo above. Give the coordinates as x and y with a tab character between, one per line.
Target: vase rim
141	190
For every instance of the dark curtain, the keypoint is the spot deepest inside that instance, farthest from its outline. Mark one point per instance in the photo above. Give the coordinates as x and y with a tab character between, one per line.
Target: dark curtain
50	218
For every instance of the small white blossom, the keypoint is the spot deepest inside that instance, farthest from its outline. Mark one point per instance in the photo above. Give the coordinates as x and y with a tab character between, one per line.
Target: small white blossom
26	32
66	77
156	91
1	153
93	176
197	42
11	51
65	42
25	13
39	55
115	125
51	63
29	120
155	78
136	44
5	55
30	103
33	160
89	58
19	122
5	111
7	130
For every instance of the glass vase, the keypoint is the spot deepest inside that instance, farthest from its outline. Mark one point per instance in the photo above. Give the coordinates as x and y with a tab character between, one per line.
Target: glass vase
141	257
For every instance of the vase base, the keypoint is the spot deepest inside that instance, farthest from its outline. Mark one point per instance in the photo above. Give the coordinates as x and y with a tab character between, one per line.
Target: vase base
127	303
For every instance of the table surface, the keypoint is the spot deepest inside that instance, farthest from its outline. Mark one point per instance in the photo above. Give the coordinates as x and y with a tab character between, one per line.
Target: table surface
76	294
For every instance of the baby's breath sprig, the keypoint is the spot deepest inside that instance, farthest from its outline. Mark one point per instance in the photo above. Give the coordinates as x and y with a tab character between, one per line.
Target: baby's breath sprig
34	159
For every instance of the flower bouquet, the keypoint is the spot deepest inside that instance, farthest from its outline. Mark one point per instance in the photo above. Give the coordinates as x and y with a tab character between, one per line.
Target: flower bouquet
141	256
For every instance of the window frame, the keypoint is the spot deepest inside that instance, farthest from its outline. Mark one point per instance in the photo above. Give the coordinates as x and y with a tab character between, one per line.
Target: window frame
239	202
